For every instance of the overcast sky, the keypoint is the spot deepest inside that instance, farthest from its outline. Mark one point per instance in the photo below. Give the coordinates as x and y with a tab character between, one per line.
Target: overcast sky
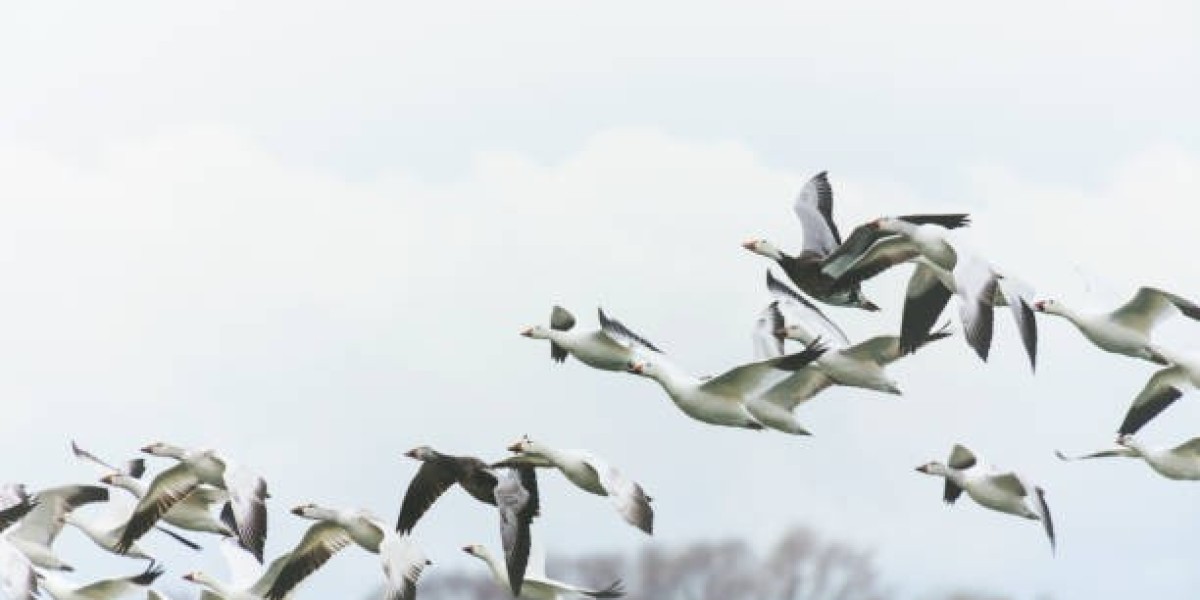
308	234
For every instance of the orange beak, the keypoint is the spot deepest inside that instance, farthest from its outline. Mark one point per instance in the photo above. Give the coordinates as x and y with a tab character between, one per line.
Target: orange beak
527	332
750	244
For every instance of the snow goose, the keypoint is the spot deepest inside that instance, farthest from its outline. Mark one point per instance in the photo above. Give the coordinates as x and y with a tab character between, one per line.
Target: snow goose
814	207
1162	390
979	288
195	512
513	491
857	365
1127	329
248	579
1003	491
722	400
609	348
35	533
888	241
537	586
589	473
1180	462
105	589
401	559
246	512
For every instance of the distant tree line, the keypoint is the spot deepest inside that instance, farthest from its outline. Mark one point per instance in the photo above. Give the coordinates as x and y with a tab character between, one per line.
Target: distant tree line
801	566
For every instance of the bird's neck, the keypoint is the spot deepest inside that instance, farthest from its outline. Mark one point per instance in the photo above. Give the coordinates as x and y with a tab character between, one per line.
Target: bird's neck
498	572
217	586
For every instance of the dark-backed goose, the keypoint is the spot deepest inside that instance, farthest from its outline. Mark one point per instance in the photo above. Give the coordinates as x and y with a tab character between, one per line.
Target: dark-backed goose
1179	462
1162	390
589	473
722	400
246	512
1003	491
609	348
537	585
814	208
401	559
105	589
1127	329
513	492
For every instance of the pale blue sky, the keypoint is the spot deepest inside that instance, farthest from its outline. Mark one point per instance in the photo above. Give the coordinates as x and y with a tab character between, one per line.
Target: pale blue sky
310	234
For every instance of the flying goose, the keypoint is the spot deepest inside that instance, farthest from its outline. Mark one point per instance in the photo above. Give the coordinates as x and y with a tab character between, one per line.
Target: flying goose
1162	390
513	491
860	365
722	400
248	581
878	245
1180	462
105	589
814	207
1002	491
401	559
537	585
589	473
193	513
609	348
1127	329
34	534
246	512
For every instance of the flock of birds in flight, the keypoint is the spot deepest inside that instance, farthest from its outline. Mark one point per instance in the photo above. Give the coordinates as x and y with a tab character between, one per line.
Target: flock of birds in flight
205	492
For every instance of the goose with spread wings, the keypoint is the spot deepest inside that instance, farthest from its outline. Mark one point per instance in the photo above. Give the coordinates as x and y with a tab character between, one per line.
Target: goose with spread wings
513	491
944	269
609	348
814	207
1127	329
1003	491
1173	462
724	399
34	534
245	513
401	559
589	473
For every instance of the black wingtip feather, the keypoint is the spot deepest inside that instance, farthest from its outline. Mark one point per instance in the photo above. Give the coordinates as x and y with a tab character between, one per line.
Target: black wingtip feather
615	590
1138	416
146	578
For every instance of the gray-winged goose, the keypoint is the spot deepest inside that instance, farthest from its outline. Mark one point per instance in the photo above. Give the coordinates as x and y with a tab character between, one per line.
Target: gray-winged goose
814	207
513	491
1003	491
1127	330
609	348
589	473
401	559
246	512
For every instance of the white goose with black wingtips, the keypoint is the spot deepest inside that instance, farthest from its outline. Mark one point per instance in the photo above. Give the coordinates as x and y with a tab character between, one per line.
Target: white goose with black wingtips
1127	330
609	348
1003	491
